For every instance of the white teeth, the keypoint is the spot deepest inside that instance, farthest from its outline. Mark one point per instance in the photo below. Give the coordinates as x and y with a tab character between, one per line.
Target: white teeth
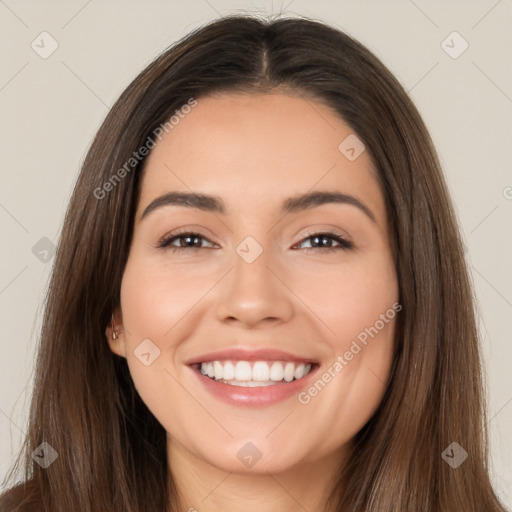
250	383
289	370
276	371
242	371
218	370
259	373
299	371
229	371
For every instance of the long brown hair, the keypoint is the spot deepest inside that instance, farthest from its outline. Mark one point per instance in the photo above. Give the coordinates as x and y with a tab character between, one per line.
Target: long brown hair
111	449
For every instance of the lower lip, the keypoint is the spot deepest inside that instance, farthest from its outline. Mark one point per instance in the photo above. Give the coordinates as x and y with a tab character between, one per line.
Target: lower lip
259	396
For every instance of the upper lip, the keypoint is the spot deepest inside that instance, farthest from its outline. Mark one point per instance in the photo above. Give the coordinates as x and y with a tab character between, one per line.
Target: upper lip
244	354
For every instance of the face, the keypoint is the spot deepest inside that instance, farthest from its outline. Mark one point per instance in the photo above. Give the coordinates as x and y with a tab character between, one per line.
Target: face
259	285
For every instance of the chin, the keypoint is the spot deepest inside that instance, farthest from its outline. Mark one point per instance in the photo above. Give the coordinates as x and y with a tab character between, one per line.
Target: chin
253	457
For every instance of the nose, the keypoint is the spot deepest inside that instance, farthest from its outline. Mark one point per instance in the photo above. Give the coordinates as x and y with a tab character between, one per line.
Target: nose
255	293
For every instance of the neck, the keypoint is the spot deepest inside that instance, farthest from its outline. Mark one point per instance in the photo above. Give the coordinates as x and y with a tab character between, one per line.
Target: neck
203	487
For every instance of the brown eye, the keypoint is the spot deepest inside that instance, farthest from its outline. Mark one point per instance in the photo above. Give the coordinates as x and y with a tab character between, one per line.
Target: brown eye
326	242
188	240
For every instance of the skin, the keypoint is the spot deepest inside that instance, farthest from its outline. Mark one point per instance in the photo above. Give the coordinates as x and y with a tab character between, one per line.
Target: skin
255	151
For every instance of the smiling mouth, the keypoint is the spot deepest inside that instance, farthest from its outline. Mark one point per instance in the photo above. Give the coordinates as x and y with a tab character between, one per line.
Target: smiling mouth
254	373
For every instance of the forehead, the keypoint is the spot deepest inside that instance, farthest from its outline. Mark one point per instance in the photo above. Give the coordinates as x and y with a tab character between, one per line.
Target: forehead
256	150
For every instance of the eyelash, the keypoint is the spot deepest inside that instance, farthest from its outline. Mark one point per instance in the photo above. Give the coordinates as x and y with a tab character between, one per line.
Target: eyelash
343	244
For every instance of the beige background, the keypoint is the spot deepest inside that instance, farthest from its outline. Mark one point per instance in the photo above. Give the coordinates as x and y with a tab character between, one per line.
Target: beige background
52	107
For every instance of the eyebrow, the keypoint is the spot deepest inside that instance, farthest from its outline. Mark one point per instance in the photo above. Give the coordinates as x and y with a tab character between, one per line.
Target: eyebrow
293	204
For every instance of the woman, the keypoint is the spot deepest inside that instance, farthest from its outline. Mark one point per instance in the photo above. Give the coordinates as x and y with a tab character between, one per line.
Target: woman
259	299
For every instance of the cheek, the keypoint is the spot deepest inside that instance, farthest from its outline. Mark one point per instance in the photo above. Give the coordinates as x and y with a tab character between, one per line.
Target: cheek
161	303
350	298
151	305
155	298
357	311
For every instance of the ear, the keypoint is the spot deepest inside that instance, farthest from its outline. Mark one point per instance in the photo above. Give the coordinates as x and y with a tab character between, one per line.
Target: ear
118	345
